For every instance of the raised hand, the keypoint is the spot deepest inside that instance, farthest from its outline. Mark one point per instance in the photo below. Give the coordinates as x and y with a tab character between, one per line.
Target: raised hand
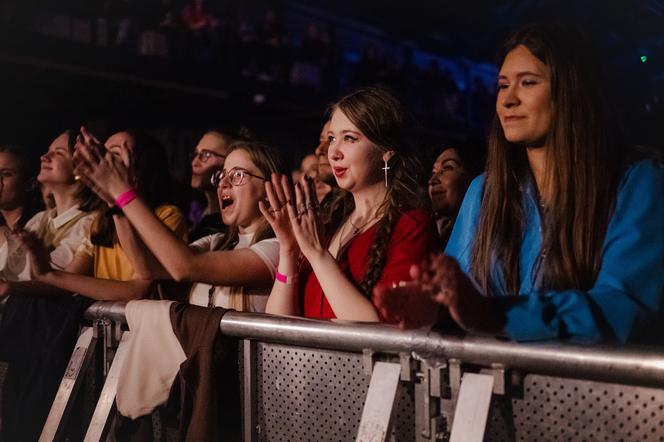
108	175
276	213
304	218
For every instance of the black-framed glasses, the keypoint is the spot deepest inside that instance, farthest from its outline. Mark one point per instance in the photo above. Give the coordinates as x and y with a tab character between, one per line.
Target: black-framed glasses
205	155
235	176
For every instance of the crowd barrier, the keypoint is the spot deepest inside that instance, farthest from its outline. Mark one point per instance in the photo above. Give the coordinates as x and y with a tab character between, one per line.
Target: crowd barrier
332	380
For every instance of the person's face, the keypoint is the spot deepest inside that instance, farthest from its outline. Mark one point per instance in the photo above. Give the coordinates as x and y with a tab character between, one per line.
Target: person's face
56	164
309	166
324	168
239	203
448	183
524	104
122	146
12	182
356	162
208	157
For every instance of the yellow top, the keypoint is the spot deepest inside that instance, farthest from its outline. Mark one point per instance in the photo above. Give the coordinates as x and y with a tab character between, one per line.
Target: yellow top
113	263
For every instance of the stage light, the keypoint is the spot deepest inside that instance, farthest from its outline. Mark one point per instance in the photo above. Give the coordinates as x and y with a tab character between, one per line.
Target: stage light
644	58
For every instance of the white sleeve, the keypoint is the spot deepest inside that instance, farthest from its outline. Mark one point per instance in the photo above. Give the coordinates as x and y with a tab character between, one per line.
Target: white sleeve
72	243
207	243
33	222
268	251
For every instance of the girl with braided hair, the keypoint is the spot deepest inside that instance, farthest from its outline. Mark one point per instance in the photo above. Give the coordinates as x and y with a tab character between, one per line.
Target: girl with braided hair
380	228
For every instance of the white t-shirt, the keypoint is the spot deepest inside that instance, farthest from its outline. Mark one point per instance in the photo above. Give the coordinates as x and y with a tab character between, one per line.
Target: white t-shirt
267	250
70	228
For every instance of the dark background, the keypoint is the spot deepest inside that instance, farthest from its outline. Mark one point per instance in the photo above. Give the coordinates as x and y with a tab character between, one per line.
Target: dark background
274	66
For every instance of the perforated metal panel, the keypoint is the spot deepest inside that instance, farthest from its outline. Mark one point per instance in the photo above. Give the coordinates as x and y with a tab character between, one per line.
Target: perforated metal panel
558	409
317	395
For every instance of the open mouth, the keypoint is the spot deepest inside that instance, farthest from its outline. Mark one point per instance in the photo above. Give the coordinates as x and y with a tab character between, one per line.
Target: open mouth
226	201
339	171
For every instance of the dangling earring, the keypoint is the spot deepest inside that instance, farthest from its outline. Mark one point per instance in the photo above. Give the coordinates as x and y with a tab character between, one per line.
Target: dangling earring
386	157
386	168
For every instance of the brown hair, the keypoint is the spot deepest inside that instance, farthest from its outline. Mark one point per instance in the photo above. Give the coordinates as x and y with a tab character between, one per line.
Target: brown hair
267	160
88	201
582	173
153	183
387	123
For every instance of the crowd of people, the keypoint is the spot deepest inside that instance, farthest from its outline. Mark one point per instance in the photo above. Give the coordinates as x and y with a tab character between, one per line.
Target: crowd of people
556	236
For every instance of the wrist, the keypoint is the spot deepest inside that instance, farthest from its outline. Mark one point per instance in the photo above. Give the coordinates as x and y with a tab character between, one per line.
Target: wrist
287	279
317	257
117	190
289	253
125	198
46	277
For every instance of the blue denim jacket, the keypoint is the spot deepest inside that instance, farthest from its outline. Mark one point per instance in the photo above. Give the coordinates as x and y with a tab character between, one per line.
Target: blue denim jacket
626	297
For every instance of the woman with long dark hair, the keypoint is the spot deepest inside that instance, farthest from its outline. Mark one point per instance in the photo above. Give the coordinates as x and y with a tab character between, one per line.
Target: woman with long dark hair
381	229
451	174
562	237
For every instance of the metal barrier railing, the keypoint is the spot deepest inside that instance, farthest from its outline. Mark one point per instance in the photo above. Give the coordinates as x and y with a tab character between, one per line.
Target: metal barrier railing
332	380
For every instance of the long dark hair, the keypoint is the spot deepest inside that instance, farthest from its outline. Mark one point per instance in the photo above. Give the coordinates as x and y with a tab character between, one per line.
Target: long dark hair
87	199
583	164
152	182
388	124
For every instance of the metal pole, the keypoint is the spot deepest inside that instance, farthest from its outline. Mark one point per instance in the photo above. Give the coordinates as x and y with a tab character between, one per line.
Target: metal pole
621	364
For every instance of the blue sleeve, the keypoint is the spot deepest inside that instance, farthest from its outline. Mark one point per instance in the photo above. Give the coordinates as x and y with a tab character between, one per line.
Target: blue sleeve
628	290
460	244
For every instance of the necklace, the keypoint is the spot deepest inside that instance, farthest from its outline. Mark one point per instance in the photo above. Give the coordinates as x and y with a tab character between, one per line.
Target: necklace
356	229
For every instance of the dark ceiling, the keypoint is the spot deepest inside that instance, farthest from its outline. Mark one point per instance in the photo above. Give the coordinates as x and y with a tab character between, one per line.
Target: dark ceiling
474	27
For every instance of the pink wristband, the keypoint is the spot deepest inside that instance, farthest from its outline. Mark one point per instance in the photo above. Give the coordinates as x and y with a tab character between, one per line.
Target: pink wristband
125	198
284	279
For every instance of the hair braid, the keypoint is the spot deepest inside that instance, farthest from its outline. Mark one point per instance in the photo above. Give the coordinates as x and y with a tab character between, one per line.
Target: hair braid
379	248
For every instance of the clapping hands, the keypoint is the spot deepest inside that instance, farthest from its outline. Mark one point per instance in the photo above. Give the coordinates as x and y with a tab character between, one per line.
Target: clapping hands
293	215
437	282
105	173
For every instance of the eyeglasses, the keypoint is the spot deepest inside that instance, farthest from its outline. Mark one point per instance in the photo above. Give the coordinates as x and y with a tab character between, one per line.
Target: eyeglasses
204	155
235	176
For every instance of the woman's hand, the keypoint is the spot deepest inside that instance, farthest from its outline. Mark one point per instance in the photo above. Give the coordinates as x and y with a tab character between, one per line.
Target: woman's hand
438	281
107	175
40	258
276	213
304	218
409	304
